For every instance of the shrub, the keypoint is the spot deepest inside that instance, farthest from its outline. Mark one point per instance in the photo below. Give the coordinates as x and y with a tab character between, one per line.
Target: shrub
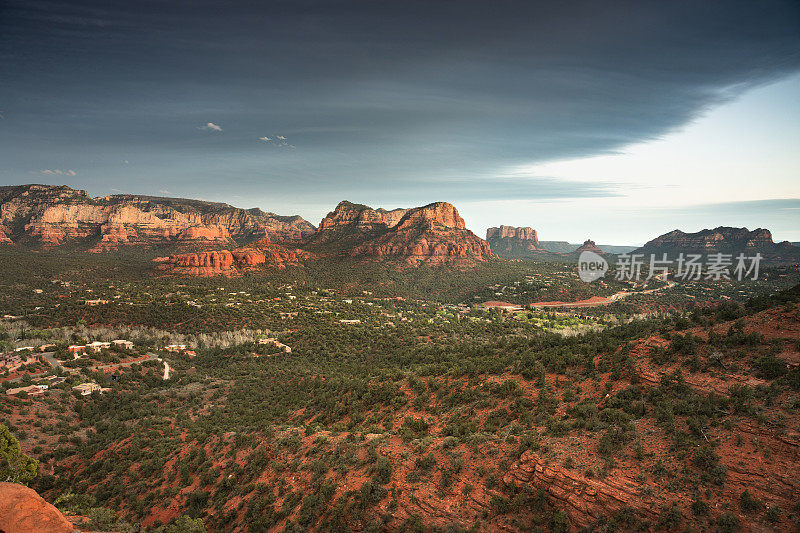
185	524
414	428
708	461
728	523
700	508
501	504
15	466
769	367
382	471
748	503
773	514
670	516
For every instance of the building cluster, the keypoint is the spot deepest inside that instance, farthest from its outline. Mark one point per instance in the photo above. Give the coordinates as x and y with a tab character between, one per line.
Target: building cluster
11	361
97	346
38	388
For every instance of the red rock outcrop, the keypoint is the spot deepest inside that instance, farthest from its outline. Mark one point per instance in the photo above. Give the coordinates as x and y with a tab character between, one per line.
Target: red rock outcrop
513	242
230	263
433	234
589	246
55	215
4	239
350	214
583	500
510	232
22	510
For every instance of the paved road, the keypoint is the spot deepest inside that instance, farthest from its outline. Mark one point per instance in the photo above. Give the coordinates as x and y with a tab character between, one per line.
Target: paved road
51	359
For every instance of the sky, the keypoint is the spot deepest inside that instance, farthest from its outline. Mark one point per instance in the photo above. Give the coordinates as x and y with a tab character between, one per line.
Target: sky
615	121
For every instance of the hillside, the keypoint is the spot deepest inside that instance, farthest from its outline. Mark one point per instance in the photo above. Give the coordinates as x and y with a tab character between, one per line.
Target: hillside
688	421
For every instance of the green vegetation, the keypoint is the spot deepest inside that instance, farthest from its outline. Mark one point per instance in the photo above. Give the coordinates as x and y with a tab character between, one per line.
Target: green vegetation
424	396
15	466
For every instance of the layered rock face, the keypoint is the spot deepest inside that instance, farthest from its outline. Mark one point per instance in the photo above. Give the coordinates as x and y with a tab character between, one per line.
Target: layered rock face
232	262
55	215
361	216
589	246
510	232
433	234
583	500
22	510
721	240
509	241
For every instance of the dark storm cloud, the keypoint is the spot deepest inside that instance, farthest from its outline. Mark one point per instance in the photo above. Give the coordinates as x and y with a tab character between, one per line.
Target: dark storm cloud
389	97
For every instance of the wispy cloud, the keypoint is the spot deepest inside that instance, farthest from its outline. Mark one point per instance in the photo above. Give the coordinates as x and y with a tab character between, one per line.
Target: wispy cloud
59	172
276	140
210	126
164	191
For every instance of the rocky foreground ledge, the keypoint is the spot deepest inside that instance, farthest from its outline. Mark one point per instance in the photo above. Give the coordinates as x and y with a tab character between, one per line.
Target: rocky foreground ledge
22	510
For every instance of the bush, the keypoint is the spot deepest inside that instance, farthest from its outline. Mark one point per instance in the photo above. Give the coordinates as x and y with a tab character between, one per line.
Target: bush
185	524
15	466
749	504
728	523
501	504
382	471
773	514
670	516
700	508
770	367
414	428
708	461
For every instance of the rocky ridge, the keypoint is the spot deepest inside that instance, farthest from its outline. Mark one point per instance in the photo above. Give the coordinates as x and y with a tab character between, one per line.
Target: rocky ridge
721	240
49	216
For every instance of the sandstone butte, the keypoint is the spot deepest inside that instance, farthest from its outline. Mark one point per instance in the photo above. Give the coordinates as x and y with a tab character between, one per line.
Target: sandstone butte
511	232
350	214
22	510
589	246
513	240
56	215
432	234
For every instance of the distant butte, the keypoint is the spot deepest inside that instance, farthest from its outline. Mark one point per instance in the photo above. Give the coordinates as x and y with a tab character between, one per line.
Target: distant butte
589	246
510	241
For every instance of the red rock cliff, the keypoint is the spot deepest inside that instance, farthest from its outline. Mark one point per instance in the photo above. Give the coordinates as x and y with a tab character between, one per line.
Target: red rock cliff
432	234
510	241
55	215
